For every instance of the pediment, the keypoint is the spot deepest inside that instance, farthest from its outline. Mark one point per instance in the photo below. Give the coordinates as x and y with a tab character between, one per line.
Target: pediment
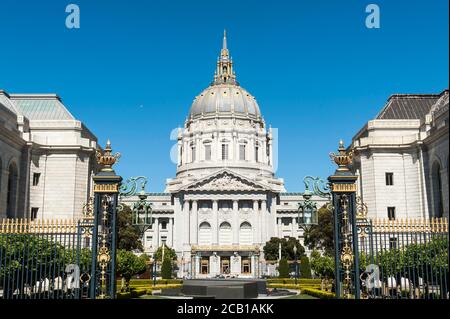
225	181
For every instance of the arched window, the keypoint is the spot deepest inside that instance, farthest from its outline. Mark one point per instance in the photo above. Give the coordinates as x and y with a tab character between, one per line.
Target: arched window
11	199
204	234
245	234
225	234
437	190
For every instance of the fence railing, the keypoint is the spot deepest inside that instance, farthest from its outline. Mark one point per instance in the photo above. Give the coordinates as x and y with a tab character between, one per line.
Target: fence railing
406	258
44	259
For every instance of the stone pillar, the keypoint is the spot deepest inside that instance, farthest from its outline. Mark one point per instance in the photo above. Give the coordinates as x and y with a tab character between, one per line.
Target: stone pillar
170	233
156	233
280	232
194	237
235	267
294	226
185	226
235	225
254	266
256	223
264	221
215	222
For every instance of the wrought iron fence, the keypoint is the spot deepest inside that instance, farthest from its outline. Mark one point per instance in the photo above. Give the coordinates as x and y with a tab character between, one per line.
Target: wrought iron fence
403	259
45	259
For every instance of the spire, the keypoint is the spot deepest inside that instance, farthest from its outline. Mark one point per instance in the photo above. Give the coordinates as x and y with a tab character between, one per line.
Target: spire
224	45
224	72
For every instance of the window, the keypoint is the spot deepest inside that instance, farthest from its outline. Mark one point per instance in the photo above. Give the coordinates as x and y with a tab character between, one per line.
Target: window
257	154
36	177
389	179
392	243
204	265
242	152
149	241
163	225
207	152
246	266
34	212
391	213
224	151
193	153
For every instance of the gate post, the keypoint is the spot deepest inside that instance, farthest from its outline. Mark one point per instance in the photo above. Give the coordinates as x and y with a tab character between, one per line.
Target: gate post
343	189
106	189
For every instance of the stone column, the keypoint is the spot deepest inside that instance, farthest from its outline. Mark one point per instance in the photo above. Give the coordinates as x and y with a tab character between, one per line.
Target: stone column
215	222
170	233
235	225
185	226
156	233
264	221
280	232
256	223
194	237
294	226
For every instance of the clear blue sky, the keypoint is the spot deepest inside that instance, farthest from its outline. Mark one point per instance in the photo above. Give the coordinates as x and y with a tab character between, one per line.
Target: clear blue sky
131	71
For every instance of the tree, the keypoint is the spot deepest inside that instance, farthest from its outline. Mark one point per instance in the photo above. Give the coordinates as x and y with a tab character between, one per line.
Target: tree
271	248
305	269
129	237
129	265
321	236
168	253
166	268
323	266
283	268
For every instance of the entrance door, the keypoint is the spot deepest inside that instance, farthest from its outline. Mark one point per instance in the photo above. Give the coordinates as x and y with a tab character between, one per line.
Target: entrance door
225	265
204	266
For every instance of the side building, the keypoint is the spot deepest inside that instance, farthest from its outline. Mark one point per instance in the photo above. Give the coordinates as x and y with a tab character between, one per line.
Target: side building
46	158
402	158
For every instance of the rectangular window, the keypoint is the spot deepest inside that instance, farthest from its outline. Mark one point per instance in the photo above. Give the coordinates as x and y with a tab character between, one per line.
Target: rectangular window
149	241
246	266
392	243
256	154
389	179
391	213
163	225
242	152
207	152
34	212
204	267
224	151
36	177
193	153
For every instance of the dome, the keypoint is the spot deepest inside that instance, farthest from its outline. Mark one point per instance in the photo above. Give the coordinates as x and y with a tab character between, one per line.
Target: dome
225	100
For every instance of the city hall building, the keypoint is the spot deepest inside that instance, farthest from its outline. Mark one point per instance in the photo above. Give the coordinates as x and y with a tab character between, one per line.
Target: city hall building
225	201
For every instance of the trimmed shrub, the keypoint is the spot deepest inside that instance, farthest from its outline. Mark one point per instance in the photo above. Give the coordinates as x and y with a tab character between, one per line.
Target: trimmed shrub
303	281
123	295
166	269
305	268
318	293
283	268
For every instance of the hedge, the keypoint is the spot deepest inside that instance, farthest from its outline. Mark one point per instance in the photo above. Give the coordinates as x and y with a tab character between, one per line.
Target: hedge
292	286
292	281
123	295
148	282
318	293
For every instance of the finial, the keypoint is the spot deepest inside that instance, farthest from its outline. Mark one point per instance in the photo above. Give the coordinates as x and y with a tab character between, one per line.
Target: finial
224	46
106	158
343	158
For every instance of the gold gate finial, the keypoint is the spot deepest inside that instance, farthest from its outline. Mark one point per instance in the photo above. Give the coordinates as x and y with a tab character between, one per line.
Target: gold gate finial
107	159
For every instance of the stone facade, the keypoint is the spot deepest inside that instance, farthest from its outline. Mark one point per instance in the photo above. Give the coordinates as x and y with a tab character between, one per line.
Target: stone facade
46	158
402	158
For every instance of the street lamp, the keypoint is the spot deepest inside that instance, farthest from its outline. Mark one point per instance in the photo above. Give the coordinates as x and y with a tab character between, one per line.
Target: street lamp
142	212
296	265
307	211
